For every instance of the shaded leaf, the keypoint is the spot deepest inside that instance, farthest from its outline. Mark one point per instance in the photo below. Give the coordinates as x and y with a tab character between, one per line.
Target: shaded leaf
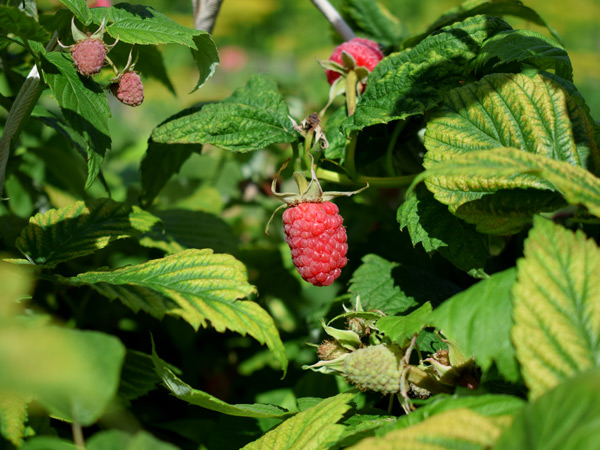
137	376
191	229
412	81
250	119
311	429
527	46
556	306
160	163
80	229
16	21
479	320
373	19
116	439
80	9
196	285
83	104
401	328
206	56
48	443
430	224
455	429
72	373
564	418
471	8
185	392
374	283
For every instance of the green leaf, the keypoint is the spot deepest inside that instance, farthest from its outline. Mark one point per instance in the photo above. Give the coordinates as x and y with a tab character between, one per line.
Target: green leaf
312	429
185	392
137	376
374	283
13	415
479	320
80	9
252	118
16	21
373	19
401	328
411	82
455	429
527	46
578	186
556	306
206	56
80	229
83	104
565	418
191	229
471	8
196	285
505	110
116	439
48	443
430	224
337	140
72	373
160	163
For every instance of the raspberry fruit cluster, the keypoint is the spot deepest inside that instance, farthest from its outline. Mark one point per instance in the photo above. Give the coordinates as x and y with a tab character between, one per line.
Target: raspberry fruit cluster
364	52
374	368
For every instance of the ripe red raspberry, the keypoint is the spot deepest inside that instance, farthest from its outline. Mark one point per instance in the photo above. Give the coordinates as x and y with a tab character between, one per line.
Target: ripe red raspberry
317	239
129	89
88	56
101	4
365	52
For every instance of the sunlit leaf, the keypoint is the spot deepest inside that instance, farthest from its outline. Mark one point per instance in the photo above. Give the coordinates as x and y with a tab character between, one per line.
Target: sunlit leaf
117	439
479	321
13	415
373	19
556	306
311	429
401	328
455	429
185	392
196	285
250	119
80	229
80	9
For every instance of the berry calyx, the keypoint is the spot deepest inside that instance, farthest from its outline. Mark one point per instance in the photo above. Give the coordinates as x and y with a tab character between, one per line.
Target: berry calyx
355	53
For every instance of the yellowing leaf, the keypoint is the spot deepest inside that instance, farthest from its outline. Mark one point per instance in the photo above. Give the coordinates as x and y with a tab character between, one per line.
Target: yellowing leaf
311	429
196	285
13	414
455	429
556	306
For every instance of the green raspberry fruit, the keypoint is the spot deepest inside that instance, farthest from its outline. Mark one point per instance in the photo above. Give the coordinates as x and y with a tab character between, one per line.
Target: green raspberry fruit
374	368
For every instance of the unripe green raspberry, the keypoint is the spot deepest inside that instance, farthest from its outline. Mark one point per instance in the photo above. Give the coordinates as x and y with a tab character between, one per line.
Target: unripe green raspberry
374	368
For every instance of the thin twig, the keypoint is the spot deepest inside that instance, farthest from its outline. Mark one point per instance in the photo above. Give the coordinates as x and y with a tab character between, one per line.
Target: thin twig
78	436
205	14
335	19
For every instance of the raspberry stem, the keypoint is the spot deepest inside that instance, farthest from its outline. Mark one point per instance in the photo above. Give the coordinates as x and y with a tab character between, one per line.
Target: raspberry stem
335	19
389	182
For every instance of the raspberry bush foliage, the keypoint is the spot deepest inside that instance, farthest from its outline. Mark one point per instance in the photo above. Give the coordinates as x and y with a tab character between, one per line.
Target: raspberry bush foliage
431	282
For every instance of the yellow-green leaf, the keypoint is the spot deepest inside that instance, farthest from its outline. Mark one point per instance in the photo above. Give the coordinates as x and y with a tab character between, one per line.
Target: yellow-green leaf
556	306
455	429
485	169
80	229
196	285
533	114
13	415
311	429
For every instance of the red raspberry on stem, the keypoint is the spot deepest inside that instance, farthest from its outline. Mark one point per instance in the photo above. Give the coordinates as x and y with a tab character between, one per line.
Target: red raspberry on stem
364	53
313	229
317	239
129	89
